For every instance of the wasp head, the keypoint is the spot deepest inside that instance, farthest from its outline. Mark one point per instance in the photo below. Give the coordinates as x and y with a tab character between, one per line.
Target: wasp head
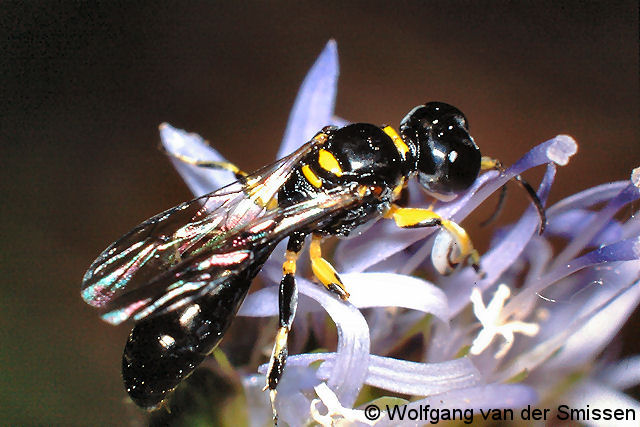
447	160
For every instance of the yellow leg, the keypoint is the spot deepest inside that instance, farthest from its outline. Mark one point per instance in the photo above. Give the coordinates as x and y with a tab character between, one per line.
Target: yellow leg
489	163
210	164
416	218
325	271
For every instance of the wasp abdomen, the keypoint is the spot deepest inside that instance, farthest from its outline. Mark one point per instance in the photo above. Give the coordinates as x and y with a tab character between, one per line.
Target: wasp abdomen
165	349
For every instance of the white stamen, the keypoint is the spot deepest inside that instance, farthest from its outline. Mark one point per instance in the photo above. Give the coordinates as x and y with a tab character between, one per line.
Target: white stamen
336	413
493	324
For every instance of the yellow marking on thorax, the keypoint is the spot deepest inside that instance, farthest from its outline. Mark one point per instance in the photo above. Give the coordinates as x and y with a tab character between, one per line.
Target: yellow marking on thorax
328	162
260	196
311	177
402	148
320	137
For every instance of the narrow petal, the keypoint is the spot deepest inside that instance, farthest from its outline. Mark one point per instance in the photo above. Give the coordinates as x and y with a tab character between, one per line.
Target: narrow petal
593	395
401	376
572	223
313	108
560	148
532	358
623	374
396	290
352	361
418	379
589	230
588	197
600	328
199	180
624	250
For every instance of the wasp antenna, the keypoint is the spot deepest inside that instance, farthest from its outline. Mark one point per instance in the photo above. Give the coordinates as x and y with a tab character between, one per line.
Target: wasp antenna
498	209
535	200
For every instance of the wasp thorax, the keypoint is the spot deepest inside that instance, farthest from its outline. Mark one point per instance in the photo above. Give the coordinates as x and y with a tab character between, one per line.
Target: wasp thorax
447	158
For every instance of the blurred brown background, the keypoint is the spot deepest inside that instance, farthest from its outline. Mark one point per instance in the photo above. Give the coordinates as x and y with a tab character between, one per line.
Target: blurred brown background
84	87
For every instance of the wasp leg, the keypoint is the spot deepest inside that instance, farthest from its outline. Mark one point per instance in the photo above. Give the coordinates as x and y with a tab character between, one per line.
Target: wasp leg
325	271
287	304
211	164
417	218
488	163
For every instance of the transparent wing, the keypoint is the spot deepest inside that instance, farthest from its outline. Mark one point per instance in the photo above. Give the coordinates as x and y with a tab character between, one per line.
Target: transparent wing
204	271
178	254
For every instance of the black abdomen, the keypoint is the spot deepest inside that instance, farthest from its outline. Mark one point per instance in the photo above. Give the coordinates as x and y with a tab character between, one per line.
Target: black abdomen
163	350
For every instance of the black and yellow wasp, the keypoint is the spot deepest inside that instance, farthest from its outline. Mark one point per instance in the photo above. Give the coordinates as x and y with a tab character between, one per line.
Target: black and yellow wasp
183	274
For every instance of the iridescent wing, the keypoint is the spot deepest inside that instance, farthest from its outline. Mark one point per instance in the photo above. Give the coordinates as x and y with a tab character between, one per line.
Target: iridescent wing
181	253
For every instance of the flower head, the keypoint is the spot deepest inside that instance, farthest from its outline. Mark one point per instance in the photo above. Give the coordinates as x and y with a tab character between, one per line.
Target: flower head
549	313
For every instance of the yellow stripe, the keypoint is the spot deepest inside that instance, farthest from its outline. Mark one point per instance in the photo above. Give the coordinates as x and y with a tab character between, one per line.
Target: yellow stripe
402	148
311	177
329	163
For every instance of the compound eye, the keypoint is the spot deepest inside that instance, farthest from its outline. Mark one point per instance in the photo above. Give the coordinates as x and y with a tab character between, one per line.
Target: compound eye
448	159
461	162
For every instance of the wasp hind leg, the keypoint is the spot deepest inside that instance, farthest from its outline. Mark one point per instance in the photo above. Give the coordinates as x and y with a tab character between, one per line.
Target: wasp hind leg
287	304
417	218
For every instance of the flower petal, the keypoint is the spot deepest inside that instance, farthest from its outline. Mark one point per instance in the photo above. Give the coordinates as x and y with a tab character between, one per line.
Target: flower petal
401	376
313	108
530	359
624	250
590	229
592	395
596	331
199	180
572	223
350	369
396	290
418	379
623	374
588	197
367	290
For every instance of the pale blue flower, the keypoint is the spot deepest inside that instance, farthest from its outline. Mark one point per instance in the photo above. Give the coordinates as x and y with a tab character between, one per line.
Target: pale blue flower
543	316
